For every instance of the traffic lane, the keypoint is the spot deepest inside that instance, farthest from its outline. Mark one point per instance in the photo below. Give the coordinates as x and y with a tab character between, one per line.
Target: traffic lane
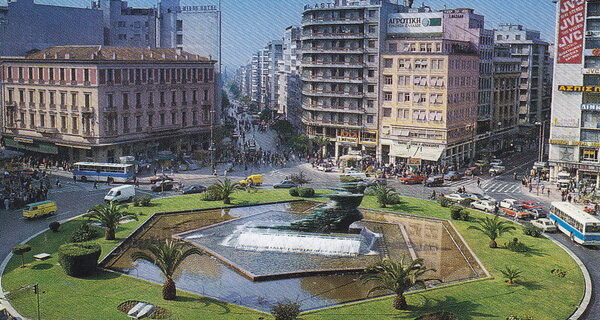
14	228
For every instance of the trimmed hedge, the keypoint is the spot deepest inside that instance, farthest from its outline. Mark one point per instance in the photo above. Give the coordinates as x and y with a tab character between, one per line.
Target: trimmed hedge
294	192
84	233
54	226
79	259
306	192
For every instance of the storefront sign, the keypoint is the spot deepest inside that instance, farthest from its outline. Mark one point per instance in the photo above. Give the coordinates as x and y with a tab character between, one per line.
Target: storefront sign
425	22
571	23
592	52
590	107
23	140
591	71
568	123
565	137
574	143
575	165
578	88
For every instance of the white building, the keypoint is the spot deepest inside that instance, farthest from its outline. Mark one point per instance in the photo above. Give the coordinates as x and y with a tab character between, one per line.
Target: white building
289	85
575	117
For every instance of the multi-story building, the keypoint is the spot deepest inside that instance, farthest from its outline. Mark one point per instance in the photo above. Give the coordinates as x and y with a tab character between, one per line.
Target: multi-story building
26	26
100	103
575	119
429	100
128	27
340	72
289	85
264	75
534	105
505	99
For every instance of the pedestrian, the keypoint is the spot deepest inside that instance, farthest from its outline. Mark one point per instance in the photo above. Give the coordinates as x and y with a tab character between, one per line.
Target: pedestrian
95	184
530	187
569	198
478	182
548	192
6	203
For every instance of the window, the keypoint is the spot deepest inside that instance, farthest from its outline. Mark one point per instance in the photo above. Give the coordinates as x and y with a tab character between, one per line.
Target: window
589	154
518	37
63	122
162	119
41	94
122	36
403	81
150	120
73	74
86	75
73	99
420	98
42	120
173	118
437	64
420	81
403	97
179	25
371	88
121	24
393	47
435	98
404	64
138	123
403	113
62	74
387	96
110	100
138	99
388	80
387	112
52	102
205	95
86	100
32	120
369	118
125	100
125	124
420	63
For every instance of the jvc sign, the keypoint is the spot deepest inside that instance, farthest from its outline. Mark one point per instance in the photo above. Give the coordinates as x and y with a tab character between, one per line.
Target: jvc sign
571	22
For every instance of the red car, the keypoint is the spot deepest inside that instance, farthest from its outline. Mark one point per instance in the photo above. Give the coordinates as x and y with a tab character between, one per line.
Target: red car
520	212
413	179
529	204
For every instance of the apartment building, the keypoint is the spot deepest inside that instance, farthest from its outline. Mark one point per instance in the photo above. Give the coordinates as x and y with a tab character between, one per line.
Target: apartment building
575	117
429	101
288	82
95	103
341	43
527	45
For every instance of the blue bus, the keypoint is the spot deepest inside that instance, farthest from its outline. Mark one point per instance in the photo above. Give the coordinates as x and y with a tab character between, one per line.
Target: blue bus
110	172
572	220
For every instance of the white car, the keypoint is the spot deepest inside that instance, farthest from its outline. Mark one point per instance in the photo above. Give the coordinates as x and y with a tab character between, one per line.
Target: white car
508	203
496	162
545	224
456	197
484	205
496	170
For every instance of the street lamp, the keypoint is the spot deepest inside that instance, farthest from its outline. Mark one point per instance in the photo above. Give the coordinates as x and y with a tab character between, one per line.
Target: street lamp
541	140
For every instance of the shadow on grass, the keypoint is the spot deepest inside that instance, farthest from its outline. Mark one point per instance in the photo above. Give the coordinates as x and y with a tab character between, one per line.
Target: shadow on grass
530	285
206	303
42	266
466	309
405	208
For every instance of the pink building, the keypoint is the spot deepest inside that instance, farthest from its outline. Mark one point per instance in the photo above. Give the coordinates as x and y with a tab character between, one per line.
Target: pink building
85	103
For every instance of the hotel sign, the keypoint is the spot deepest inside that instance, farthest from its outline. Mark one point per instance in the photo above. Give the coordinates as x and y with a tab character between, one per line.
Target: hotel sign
194	8
578	88
590	107
424	22
571	24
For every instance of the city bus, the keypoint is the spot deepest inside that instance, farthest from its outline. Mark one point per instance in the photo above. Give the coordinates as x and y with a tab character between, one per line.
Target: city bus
572	220
109	172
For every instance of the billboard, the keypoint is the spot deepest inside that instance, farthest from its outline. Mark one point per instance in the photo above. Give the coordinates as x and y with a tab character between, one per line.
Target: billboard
424	22
571	28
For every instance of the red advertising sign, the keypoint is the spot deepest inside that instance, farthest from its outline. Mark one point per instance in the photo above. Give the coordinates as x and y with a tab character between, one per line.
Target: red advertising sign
571	24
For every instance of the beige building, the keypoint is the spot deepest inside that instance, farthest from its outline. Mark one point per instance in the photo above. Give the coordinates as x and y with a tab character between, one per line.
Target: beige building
96	103
428	101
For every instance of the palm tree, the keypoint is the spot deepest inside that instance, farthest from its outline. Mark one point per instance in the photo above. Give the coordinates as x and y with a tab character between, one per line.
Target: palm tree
167	255
320	142
224	189
511	274
493	228
396	277
384	194
109	216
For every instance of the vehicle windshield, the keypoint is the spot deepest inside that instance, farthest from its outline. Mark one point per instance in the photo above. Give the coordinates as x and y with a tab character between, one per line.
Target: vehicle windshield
111	193
592	228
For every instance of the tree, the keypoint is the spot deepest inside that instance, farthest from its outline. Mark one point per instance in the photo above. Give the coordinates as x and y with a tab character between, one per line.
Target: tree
300	143
167	255
109	216
511	274
298	178
320	142
224	189
493	228
20	250
384	194
397	277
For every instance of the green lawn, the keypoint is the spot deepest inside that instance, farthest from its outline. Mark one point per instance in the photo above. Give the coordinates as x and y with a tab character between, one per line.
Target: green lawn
540	294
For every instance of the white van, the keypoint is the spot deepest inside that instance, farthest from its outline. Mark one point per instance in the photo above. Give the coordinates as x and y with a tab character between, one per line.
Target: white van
563	179
120	193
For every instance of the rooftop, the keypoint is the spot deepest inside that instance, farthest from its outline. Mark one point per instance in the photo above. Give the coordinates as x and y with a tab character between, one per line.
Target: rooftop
106	53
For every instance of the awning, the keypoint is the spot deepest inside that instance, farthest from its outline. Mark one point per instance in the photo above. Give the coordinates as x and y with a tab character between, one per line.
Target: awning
35	146
351	157
402	150
428	153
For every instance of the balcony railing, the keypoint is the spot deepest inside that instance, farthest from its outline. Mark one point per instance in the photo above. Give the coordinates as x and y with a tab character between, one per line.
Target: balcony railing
332	93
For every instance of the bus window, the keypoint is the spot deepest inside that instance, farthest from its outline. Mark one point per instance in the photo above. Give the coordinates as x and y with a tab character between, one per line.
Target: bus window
592	228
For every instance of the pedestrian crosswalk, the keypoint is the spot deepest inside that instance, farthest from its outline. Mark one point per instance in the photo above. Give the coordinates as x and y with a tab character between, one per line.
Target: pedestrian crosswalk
78	187
487	186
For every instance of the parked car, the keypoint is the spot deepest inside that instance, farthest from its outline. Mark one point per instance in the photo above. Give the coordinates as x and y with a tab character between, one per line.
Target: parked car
518	211
413	179
496	162
160	186
546	225
193	189
496	170
484	205
160	177
537	213
452	176
324	168
435	181
284	185
456	197
481	163
508	203
473	171
529	204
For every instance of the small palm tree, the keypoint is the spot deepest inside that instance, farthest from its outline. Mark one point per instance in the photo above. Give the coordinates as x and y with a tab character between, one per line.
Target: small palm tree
167	255
396	277
320	142
224	189
109	216
493	228
511	274
384	194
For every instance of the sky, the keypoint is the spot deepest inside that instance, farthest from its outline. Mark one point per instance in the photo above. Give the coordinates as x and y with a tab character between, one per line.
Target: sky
249	24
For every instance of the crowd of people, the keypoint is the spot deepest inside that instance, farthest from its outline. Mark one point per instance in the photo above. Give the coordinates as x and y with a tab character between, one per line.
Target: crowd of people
22	187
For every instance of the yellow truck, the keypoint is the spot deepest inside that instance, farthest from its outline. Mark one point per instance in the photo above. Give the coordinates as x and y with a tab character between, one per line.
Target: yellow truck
253	180
39	209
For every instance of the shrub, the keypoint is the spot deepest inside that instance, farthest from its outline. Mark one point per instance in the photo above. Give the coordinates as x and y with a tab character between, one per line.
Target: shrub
306	192
286	310
211	195
443	315
79	259
145	201
294	192
466	202
516	246
85	232
458	213
20	250
137	202
531	230
54	226
345	178
514	317
559	272
444	202
298	178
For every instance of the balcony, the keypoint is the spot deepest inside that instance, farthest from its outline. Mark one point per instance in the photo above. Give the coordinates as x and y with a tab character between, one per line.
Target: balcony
333	50
333	64
326	21
52	106
63	107
325	108
322	93
318	36
43	130
336	79
109	109
164	128
87	110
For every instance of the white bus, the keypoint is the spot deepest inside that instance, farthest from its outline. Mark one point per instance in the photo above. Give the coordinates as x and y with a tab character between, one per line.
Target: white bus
572	220
111	172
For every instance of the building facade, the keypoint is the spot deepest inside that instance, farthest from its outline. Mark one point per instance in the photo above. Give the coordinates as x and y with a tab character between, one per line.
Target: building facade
527	45
341	43
289	84
124	26
94	103
575	119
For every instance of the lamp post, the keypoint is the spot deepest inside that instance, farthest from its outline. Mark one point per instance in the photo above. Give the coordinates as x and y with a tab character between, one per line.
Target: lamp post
541	140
